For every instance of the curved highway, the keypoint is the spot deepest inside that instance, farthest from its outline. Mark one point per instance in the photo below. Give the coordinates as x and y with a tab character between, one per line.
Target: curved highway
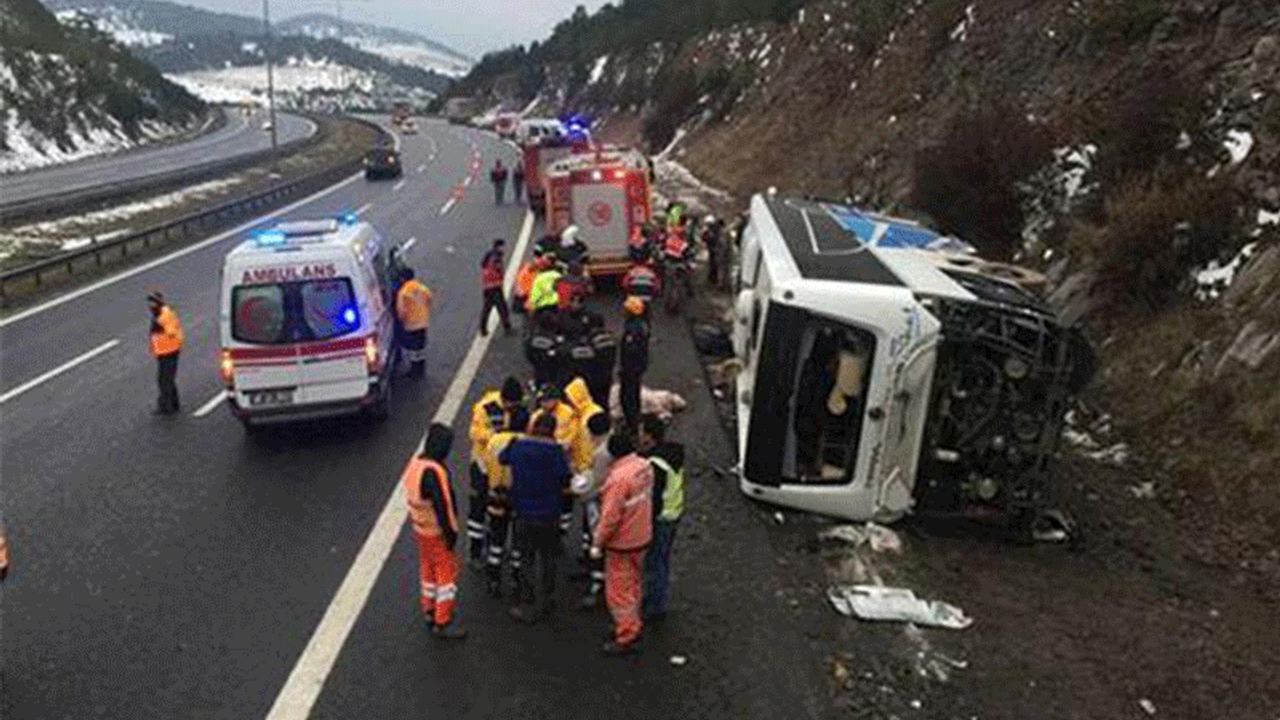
240	136
171	567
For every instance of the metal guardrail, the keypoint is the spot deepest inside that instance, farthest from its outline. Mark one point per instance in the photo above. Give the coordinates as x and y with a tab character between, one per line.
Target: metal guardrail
195	224
86	197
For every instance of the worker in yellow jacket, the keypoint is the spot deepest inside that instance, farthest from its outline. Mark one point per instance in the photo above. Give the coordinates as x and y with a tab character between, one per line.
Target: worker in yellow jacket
166	342
497	503
492	414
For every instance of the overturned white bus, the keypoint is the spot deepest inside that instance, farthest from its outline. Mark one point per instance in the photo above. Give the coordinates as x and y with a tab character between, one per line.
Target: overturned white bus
882	375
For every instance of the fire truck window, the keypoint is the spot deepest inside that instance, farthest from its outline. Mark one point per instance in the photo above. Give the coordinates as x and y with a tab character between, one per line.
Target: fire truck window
258	314
329	308
829	389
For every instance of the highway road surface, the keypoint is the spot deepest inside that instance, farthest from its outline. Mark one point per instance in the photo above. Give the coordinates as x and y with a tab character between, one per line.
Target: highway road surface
240	136
172	567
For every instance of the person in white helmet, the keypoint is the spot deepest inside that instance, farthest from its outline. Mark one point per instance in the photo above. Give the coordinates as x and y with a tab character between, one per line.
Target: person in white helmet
571	248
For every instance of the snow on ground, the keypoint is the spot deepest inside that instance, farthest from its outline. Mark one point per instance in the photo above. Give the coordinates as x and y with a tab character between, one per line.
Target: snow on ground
1238	144
115	24
961	31
597	70
677	182
235	84
28	148
78	231
1214	279
418	55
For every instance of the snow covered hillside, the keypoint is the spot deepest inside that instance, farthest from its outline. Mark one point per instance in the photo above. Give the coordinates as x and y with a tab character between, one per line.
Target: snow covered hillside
394	45
70	92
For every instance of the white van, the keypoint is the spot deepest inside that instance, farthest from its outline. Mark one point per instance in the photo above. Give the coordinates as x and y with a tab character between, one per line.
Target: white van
880	376
535	129
306	322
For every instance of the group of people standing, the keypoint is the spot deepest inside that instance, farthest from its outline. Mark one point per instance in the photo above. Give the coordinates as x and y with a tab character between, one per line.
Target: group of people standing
530	465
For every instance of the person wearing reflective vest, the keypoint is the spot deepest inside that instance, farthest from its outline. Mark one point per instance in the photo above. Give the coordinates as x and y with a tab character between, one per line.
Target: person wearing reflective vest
413	307
667	460
491	268
524	283
543	298
497	503
492	414
434	520
166	343
622	536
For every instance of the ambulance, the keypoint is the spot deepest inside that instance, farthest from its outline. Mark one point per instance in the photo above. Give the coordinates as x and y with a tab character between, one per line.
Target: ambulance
884	373
605	192
306	322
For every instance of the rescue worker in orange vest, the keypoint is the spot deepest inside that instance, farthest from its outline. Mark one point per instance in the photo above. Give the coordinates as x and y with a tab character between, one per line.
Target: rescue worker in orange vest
524	283
622	536
492	414
573	288
435	527
491	267
166	342
413	306
497	504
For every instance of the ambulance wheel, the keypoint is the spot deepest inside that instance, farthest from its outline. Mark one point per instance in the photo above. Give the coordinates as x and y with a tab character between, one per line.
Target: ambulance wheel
380	409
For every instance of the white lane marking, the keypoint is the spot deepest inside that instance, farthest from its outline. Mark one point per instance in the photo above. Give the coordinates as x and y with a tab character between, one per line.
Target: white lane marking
15	392
306	680
398	185
208	407
448	206
360	210
467	181
81	292
408	243
434	148
422	168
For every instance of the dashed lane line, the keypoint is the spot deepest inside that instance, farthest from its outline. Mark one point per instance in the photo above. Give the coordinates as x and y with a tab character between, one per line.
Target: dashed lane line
126	274
307	678
360	210
208	407
448	205
45	377
408	244
397	186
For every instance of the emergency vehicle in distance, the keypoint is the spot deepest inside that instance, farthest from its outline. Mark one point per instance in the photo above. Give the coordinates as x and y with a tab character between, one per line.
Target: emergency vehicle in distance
881	375
306	322
605	192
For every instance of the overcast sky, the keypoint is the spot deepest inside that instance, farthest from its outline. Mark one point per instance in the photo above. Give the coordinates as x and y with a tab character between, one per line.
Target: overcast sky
469	26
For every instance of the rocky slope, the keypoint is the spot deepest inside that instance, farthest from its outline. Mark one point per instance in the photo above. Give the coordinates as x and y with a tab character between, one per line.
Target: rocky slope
70	91
1129	148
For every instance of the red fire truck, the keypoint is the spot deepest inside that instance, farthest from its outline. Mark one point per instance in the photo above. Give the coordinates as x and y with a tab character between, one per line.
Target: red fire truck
538	155
606	193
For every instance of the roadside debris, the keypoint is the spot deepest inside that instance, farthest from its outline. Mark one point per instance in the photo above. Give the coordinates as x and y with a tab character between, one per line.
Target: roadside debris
874	602
1117	454
679	660
1147	706
663	403
1144	491
879	537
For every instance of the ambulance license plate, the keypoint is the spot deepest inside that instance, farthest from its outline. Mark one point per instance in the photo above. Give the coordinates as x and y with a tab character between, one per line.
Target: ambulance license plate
268	398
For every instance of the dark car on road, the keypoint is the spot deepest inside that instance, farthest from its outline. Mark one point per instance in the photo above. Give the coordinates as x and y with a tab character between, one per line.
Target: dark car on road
382	162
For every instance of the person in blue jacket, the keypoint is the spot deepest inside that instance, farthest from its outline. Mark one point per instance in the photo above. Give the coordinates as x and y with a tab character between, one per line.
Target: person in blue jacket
539	483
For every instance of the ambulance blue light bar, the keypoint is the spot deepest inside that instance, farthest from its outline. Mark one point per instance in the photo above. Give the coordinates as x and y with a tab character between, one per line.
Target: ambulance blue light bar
348	218
269	238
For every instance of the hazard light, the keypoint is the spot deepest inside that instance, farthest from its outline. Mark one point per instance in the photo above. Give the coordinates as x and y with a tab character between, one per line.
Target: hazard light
227	368
372	358
618	174
596	175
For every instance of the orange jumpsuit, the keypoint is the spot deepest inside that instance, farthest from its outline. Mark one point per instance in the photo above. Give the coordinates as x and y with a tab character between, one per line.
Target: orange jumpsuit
624	532
435	527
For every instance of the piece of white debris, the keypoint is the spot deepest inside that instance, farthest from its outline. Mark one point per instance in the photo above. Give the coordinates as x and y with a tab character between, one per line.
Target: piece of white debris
917	704
679	660
779	518
876	602
1143	491
1147	706
1238	144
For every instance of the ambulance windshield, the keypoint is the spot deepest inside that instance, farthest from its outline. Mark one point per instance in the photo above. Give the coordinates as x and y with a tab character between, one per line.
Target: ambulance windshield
279	313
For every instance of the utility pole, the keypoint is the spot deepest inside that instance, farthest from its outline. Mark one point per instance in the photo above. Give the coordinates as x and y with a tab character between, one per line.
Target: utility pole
271	92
